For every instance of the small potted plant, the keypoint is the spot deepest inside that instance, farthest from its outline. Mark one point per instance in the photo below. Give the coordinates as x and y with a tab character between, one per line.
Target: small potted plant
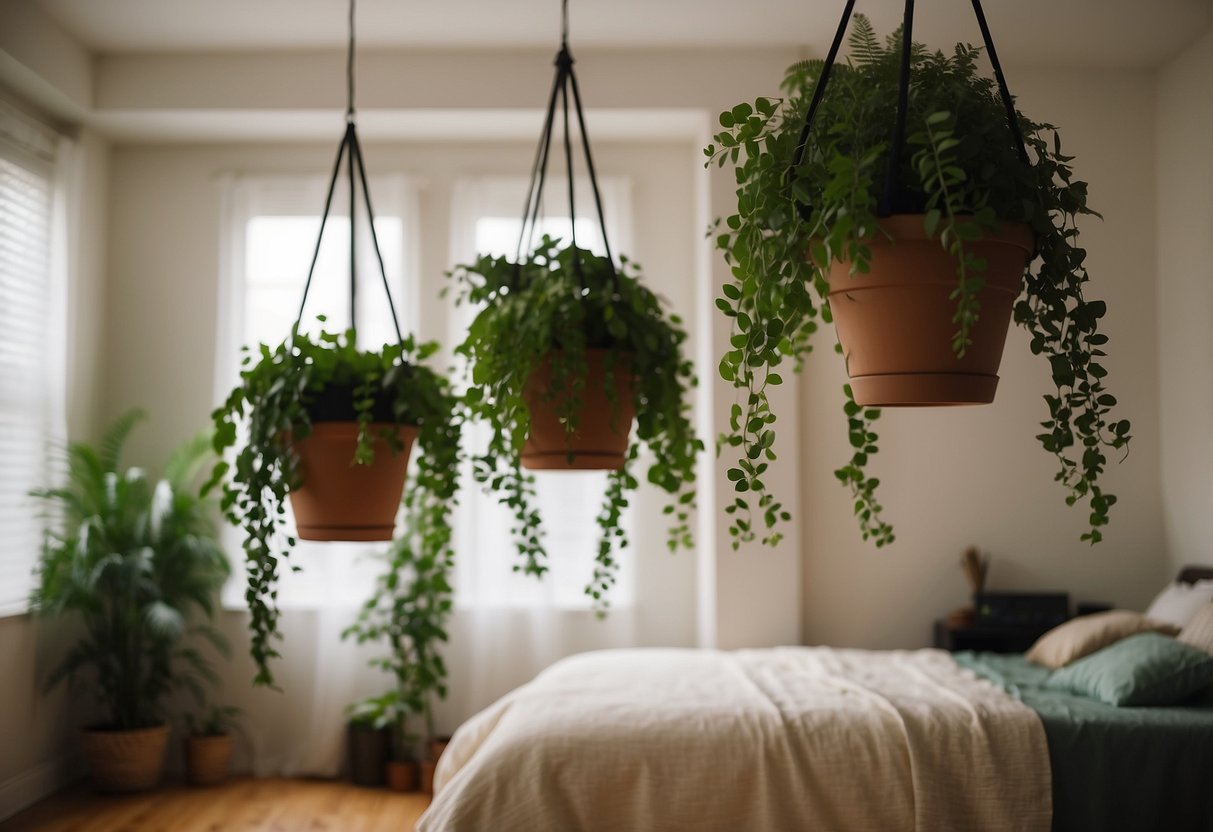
208	745
135	562
407	614
369	738
330	426
567	353
920	258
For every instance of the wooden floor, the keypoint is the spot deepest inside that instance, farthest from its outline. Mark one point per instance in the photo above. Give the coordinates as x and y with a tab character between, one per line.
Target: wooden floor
241	805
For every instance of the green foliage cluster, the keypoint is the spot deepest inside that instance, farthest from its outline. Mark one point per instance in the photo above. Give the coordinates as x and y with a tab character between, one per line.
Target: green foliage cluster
557	304
135	561
218	721
408	614
962	164
273	405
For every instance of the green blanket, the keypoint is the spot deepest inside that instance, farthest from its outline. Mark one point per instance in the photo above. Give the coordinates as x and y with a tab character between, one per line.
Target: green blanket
1115	769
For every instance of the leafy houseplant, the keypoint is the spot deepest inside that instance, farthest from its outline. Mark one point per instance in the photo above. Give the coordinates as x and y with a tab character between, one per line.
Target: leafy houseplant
567	334
809	213
408	615
136	562
208	745
291	392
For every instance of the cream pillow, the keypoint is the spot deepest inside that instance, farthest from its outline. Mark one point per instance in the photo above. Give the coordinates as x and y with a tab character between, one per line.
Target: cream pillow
1177	603
1084	635
1199	631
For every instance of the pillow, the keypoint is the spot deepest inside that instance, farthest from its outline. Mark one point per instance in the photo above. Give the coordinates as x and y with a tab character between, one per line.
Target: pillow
1145	669
1199	631
1084	635
1179	602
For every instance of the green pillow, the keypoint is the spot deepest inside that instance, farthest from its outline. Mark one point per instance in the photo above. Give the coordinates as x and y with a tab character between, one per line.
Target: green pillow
1144	669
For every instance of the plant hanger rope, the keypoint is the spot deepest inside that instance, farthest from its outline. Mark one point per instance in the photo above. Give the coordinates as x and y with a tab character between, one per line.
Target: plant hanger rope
565	80
350	149
896	199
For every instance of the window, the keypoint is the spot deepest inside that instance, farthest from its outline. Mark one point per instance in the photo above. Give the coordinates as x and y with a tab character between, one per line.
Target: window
270	234
31	352
486	221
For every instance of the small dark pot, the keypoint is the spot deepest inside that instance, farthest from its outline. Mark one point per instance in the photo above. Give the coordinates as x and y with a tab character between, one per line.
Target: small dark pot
368	755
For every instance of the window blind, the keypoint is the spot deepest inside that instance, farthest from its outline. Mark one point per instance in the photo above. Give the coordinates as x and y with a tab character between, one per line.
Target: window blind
28	381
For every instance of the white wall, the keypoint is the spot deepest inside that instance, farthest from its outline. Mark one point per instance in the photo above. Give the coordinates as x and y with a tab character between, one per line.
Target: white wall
1185	300
951	478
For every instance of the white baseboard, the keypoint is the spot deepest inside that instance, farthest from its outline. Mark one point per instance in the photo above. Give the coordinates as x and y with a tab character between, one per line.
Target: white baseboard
27	788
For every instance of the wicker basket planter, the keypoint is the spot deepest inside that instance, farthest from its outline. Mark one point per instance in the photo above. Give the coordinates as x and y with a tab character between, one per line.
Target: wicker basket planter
206	759
125	761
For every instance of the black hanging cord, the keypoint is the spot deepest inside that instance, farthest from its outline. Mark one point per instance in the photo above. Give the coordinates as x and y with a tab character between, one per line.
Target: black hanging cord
820	89
589	164
565	79
349	69
356	146
351	150
539	172
1007	102
894	199
324	218
568	159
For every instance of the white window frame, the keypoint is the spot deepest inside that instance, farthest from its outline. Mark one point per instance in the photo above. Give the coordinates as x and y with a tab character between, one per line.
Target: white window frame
39	149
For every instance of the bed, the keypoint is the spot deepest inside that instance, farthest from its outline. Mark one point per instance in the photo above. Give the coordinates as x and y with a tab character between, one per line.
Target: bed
815	738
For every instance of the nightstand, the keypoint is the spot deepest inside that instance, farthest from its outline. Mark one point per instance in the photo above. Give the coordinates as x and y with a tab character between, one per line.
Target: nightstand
987	638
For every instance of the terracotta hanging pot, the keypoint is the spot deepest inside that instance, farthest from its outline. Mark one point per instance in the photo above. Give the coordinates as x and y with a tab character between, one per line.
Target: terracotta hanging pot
600	442
895	322
339	500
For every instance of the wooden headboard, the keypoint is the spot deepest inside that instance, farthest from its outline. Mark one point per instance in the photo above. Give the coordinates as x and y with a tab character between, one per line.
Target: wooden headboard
1192	574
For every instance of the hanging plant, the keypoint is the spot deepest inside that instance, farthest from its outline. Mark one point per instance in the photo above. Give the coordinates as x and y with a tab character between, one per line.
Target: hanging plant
568	339
824	221
378	400
331	426
567	351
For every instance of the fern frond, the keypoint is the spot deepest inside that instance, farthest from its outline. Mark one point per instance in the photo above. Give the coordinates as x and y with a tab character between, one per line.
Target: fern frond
865	46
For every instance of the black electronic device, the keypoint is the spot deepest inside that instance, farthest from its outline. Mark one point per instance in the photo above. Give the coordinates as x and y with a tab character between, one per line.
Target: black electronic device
1021	609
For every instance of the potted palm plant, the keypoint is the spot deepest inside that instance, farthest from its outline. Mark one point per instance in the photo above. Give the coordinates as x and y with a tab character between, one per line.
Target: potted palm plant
407	614
208	745
135	562
330	426
919	242
566	355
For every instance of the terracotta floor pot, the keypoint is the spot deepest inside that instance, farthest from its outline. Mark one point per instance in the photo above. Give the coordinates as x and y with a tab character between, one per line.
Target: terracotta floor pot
368	755
895	323
403	775
125	761
342	501
206	759
427	775
600	442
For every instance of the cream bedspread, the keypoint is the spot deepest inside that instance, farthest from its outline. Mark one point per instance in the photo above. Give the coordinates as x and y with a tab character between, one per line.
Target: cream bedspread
748	741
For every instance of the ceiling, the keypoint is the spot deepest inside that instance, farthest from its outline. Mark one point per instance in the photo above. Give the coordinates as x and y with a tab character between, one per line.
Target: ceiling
1039	32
